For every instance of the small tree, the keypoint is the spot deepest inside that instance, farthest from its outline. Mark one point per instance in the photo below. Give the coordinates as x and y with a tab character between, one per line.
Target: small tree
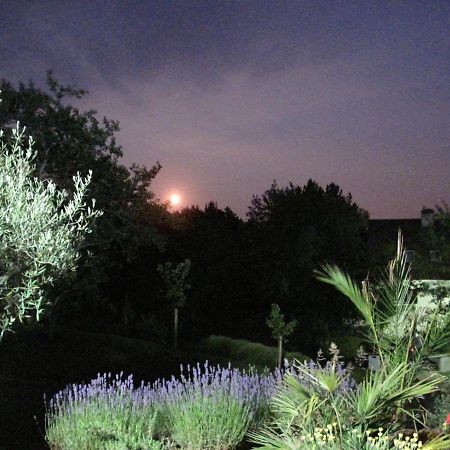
41	231
280	329
175	283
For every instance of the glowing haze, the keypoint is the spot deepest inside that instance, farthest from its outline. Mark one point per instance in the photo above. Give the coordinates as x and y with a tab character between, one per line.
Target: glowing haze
175	199
231	95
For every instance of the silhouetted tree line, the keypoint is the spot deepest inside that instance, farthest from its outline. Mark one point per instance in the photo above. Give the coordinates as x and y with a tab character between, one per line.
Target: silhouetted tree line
238	267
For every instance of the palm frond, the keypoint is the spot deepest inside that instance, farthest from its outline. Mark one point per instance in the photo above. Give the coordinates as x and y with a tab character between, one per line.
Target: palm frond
383	389
273	439
326	378
336	277
439	443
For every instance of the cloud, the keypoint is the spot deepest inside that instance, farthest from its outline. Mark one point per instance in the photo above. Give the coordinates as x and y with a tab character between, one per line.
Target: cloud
228	142
230	95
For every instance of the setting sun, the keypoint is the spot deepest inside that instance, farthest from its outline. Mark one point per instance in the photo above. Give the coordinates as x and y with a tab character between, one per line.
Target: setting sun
175	199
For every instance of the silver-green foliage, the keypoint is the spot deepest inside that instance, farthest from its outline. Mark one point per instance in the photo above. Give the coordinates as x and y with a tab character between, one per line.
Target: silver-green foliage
41	230
208	423
207	408
102	423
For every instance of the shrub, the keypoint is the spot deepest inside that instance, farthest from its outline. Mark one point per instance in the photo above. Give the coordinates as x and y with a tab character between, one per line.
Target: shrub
207	408
440	408
102	415
202	422
222	347
243	353
212	406
258	355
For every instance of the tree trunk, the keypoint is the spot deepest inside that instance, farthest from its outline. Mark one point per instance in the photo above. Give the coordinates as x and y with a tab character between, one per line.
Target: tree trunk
280	351
175	330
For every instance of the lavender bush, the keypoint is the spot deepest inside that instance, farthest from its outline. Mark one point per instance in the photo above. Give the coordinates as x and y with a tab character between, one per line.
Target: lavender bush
101	415
213	407
207	408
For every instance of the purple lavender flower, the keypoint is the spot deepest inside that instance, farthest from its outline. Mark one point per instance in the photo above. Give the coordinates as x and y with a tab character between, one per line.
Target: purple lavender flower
225	387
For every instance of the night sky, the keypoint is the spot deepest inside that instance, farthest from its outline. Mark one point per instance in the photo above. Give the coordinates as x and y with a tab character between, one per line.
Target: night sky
229	95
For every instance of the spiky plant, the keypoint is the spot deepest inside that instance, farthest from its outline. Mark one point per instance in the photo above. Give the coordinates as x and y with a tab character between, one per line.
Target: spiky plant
402	334
312	397
391	316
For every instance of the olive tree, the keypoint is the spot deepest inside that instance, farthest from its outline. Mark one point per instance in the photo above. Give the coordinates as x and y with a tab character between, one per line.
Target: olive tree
41	231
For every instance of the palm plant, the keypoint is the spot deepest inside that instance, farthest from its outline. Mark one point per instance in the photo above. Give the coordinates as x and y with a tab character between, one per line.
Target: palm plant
313	397
392	318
